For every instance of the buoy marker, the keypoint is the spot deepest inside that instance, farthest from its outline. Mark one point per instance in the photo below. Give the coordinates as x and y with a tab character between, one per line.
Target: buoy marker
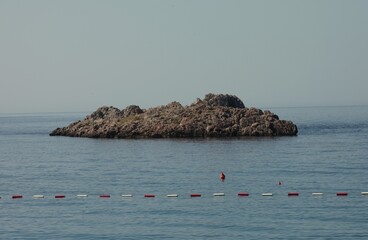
126	195
82	195
219	194
104	196
59	196
172	195
222	176
17	196
293	194
267	194
195	195
243	194
364	193
341	194
149	195
38	196
317	194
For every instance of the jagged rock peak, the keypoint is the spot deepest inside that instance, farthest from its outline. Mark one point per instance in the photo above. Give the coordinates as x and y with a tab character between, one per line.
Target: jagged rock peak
105	113
132	110
223	100
174	105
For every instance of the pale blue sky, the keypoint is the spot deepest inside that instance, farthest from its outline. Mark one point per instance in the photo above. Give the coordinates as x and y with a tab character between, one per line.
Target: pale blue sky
61	56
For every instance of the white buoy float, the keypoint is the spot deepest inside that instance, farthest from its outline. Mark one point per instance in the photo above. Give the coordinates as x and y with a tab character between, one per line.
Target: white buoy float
219	194
126	195
364	193
267	194
172	195
37	196
82	195
317	194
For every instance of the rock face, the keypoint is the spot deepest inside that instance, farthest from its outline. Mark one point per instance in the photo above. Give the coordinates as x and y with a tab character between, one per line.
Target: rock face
217	115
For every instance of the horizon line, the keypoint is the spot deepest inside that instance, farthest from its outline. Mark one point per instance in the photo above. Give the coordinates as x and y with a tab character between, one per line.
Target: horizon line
262	108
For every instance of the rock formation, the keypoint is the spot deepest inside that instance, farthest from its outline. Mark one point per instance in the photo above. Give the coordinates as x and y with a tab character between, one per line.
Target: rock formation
213	117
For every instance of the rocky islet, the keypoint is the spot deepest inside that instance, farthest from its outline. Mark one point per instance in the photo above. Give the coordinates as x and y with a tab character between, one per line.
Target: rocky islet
215	116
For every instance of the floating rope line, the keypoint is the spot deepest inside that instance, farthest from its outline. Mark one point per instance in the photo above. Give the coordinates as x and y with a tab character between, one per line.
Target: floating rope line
192	195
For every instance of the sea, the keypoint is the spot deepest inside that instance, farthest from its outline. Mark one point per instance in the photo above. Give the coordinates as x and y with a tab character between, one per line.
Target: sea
329	155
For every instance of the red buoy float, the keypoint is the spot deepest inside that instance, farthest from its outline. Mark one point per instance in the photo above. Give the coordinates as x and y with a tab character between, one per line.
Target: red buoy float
341	194
149	195
59	196
222	176
17	196
243	194
195	195
105	196
293	194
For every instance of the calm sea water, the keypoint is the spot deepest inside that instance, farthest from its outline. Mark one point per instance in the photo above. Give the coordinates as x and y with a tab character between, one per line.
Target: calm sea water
330	154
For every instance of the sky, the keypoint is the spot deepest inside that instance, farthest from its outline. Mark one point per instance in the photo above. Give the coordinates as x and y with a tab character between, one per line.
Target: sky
78	55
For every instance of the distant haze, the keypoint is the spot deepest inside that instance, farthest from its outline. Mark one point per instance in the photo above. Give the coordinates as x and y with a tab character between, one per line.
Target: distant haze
63	56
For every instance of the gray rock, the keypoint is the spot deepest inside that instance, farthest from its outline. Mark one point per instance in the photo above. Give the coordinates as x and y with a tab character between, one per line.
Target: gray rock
105	113
132	110
223	100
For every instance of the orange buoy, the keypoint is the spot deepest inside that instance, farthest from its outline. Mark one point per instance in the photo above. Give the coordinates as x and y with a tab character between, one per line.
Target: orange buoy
222	176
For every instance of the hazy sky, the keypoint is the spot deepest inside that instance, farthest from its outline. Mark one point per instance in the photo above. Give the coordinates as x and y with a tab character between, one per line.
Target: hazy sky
61	56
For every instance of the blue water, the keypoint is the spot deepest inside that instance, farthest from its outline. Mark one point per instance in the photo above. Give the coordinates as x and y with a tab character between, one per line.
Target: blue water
329	155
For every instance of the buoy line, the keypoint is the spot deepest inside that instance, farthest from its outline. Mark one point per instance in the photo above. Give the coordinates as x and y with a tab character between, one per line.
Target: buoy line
191	195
